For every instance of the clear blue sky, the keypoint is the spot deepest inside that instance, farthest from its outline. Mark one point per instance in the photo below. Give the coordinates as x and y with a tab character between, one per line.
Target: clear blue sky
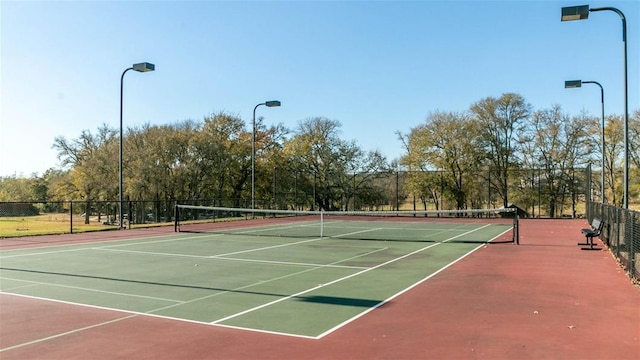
376	66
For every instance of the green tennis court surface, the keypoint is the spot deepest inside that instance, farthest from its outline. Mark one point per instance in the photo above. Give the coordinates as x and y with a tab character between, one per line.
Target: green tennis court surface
295	286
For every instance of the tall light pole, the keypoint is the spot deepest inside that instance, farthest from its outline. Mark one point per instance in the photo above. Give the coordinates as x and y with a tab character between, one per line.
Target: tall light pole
581	13
271	103
569	84
141	67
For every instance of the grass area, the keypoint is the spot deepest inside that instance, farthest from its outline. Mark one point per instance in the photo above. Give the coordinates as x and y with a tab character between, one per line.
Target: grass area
47	224
51	224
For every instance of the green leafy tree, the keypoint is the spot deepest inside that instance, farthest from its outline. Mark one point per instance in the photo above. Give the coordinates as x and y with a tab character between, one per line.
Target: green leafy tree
13	188
94	172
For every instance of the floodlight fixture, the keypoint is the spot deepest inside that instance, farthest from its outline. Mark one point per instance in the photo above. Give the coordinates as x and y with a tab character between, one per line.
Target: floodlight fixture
571	84
571	13
144	67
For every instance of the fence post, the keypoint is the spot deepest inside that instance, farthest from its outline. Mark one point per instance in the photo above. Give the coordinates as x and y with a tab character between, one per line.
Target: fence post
175	217
587	194
71	217
634	245
397	190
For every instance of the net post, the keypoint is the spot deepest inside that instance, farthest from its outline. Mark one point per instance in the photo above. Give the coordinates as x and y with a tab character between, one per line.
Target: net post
321	224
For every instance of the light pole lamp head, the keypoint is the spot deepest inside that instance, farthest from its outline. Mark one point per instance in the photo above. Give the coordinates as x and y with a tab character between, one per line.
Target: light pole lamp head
571	13
144	67
570	84
272	103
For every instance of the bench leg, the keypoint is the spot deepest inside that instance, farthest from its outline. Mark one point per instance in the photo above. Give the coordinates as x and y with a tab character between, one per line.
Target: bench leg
587	242
590	243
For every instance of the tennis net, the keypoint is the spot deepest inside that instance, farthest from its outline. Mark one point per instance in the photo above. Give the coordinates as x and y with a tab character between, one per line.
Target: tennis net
482	225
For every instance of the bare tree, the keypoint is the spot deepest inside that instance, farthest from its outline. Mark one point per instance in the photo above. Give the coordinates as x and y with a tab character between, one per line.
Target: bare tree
500	121
317	149
446	142
557	144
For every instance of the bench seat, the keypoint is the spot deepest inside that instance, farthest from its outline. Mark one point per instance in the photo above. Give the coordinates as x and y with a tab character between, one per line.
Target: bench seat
591	233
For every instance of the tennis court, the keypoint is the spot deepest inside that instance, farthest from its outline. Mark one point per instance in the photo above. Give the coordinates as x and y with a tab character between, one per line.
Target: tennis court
244	276
138	294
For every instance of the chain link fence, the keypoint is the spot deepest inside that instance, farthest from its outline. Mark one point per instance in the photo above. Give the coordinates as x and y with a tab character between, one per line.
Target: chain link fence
621	234
621	229
541	193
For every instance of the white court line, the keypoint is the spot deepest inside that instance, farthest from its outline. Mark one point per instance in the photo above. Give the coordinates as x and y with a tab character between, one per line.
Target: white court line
13	288
107	248
222	257
152	253
91	290
133	242
283	245
338	280
303	264
39	253
259	228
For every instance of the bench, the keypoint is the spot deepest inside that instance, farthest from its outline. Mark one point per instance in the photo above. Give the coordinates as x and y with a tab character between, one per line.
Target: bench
594	231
